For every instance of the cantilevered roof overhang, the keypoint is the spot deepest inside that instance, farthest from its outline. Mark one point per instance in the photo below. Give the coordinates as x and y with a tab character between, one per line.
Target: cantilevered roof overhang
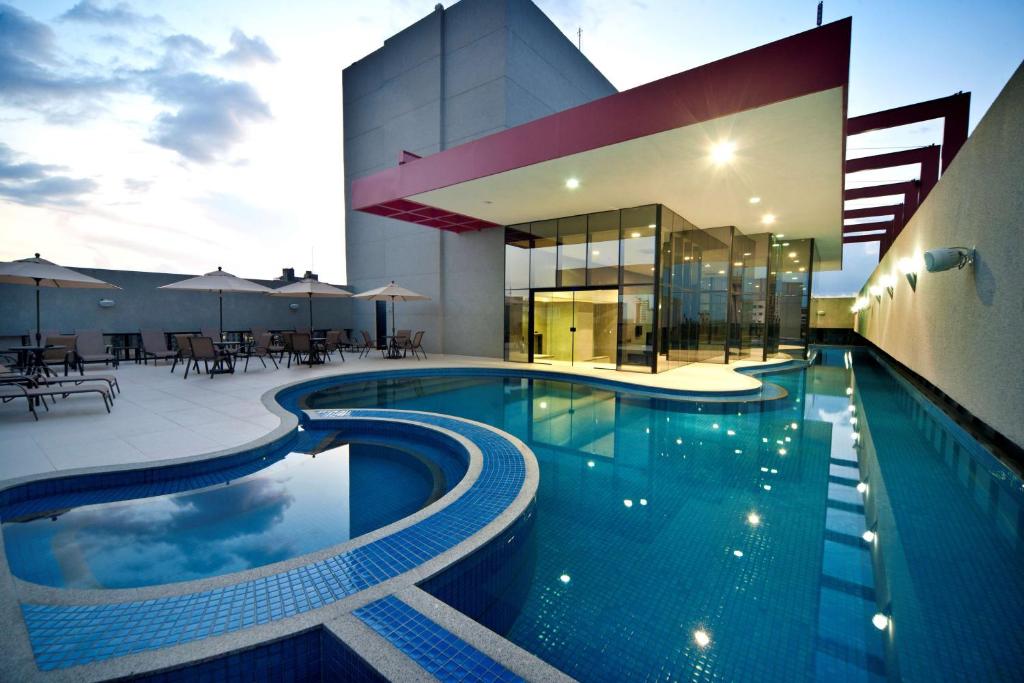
782	106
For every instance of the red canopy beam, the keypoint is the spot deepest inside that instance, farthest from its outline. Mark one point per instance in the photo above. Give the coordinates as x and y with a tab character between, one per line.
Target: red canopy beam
873	225
954	110
872	211
928	157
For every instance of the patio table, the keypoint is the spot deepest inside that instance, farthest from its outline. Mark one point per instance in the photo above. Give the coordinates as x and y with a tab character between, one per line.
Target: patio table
30	357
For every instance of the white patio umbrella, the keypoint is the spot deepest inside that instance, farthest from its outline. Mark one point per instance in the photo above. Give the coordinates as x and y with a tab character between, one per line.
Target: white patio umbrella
42	273
392	293
310	289
220	282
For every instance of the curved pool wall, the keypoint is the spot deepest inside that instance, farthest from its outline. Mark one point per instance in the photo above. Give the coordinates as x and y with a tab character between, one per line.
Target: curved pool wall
76	635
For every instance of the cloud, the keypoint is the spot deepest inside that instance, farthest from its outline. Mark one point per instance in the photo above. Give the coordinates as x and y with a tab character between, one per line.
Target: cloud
246	51
121	14
210	117
182	43
137	184
37	184
28	77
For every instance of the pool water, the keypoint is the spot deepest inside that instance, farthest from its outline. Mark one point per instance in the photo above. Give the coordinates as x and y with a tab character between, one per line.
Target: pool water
317	494
687	541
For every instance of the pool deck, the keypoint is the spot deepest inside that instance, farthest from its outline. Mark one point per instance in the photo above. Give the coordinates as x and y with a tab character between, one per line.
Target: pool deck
162	416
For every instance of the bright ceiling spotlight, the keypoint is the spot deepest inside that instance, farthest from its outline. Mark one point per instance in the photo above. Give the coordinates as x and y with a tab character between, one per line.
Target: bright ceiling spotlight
723	152
768	219
755	200
572	183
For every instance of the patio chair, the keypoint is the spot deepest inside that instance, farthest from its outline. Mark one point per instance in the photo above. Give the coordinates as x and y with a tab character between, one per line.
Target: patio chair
416	345
369	345
300	343
333	343
183	346
11	390
346	342
202	349
64	356
154	345
260	348
11	375
90	348
43	335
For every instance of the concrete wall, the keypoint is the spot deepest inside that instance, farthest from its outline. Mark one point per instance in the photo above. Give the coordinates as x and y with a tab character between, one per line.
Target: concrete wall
834	312
961	329
140	305
504	63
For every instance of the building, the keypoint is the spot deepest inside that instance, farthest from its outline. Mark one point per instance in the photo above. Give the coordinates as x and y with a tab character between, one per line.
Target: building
459	74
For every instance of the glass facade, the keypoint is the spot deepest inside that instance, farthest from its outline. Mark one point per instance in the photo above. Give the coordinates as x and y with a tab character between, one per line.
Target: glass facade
643	289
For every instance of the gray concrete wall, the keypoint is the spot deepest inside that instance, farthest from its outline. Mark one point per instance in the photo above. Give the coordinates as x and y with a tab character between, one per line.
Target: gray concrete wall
961	329
832	312
504	64
140	305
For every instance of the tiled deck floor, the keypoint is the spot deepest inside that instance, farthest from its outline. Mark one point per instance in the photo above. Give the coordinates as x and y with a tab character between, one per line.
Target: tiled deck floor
161	415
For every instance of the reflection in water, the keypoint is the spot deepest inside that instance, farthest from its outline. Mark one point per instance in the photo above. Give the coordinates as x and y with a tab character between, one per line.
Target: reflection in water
297	505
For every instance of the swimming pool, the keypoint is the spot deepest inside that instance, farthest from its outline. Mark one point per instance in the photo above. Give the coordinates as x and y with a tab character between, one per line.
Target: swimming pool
843	530
757	541
316	492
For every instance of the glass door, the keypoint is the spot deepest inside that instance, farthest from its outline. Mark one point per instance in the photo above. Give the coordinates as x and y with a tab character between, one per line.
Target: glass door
575	327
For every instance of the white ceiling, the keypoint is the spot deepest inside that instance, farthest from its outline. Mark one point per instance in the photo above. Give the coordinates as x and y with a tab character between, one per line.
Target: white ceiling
790	154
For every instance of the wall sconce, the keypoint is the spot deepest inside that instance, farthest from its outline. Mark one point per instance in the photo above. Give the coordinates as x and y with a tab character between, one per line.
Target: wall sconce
293	306
106	303
909	268
938	260
876	291
889	282
859	304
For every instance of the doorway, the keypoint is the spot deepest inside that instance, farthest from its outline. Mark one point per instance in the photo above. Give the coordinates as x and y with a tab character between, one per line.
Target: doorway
575	327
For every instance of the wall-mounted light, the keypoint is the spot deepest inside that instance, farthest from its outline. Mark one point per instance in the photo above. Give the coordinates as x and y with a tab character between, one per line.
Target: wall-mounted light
876	291
946	258
106	303
859	304
293	306
909	267
889	282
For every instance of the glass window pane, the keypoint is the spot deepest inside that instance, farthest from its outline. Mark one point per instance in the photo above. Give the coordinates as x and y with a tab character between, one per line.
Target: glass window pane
603	252
636	328
638	244
517	325
543	255
517	256
572	251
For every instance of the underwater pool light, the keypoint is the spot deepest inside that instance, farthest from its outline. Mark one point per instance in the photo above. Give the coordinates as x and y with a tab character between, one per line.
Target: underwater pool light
880	621
701	637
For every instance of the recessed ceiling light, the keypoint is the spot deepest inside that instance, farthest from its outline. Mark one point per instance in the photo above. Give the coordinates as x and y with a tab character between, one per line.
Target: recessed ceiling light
792	254
755	200
738	264
652	226
768	218
572	183
722	152
780	235
635	234
721	272
595	253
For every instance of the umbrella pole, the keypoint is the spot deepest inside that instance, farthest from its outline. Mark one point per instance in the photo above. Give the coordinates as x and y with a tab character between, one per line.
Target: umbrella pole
311	315
392	316
38	333
220	328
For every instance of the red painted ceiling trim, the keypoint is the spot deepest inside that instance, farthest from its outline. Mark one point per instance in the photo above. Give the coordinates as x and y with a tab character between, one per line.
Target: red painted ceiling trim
872	211
865	227
910	186
806	63
853	239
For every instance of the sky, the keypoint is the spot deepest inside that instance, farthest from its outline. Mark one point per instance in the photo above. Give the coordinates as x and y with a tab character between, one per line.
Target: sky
179	136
